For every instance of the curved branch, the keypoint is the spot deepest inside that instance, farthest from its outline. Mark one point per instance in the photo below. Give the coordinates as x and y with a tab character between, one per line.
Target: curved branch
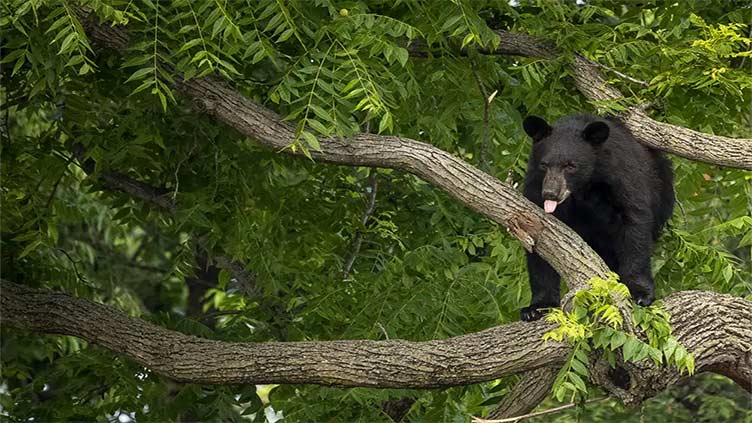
472	358
713	327
694	145
554	241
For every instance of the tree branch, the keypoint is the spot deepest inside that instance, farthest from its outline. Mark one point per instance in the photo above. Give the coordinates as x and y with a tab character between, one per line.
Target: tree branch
394	363
713	327
694	145
517	418
533	388
120	182
370	196
722	349
551	239
160	197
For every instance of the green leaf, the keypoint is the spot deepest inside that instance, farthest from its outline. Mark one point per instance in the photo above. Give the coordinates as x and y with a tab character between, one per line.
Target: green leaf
617	340
29	248
188	45
67	42
311	140
578	383
402	55
449	23
468	39
386	123
140	74
318	126
579	367
631	348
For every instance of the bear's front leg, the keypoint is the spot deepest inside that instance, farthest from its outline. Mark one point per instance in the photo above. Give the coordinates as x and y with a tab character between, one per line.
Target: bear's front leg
544	285
633	249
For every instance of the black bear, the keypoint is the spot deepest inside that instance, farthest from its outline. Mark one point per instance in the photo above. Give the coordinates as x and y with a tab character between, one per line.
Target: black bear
613	191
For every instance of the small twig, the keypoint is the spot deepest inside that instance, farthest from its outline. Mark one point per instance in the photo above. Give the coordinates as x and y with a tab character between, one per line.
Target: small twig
75	267
57	183
371	205
741	64
177	170
120	182
619	74
487	99
213	314
537	413
383	330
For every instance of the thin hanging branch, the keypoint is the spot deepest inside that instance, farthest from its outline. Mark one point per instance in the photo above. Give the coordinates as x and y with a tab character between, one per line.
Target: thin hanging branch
537	413
370	196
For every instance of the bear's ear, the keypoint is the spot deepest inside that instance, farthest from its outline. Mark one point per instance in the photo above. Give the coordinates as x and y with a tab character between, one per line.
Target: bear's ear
536	127
596	133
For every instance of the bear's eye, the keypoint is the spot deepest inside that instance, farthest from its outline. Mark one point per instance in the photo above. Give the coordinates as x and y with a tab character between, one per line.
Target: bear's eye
570	166
543	165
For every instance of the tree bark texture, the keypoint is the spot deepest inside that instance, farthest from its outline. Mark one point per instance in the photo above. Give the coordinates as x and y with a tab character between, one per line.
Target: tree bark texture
530	391
472	358
713	327
554	241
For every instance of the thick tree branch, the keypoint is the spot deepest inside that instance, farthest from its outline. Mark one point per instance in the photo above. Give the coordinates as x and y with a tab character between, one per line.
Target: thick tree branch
694	145
530	391
713	327
554	241
714	149
394	363
557	243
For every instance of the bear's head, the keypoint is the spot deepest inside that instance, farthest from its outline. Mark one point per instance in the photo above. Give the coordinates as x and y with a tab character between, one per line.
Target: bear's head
564	154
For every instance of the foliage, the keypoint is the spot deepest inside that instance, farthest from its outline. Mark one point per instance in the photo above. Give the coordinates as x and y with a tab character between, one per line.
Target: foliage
428	267
594	327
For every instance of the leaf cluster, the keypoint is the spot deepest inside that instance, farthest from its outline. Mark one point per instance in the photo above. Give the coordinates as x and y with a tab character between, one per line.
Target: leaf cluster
594	329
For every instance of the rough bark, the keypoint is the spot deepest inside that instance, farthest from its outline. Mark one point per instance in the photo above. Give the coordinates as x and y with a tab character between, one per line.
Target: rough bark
713	327
714	149
530	391
555	242
472	358
694	145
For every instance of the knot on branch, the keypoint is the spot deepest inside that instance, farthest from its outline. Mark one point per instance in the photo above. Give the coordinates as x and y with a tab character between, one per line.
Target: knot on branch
631	382
526	228
203	104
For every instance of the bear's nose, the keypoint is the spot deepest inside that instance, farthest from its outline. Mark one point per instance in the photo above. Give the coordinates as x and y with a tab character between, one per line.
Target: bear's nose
550	194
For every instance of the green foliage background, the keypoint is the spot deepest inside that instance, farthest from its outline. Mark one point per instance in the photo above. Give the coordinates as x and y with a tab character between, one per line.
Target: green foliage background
428	267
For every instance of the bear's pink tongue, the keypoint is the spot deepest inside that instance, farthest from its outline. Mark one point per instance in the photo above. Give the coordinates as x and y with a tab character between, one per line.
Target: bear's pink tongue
549	206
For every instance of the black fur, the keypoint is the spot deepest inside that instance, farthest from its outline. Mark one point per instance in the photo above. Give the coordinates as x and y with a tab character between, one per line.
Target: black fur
621	195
